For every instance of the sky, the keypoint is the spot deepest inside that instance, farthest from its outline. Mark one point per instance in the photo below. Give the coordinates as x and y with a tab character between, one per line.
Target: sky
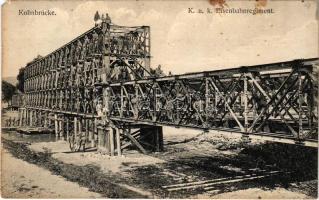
180	41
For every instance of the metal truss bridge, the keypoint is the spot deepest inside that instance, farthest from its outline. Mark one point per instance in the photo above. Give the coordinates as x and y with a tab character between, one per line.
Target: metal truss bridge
99	88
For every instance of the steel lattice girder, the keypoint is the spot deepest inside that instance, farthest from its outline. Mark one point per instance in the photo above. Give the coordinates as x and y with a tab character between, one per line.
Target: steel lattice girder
277	99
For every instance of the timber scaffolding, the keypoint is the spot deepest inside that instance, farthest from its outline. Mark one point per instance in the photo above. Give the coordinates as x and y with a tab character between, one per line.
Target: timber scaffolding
99	90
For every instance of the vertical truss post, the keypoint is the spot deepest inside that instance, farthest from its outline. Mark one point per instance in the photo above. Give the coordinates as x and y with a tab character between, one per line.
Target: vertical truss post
87	131
45	119
122	102
95	133
40	122
91	132
75	128
49	120
136	102
80	130
207	100
147	47
245	103
106	139
101	141
56	126
27	117
20	116
30	118
67	128
111	140
61	129
118	141
300	101
310	94
159	139
153	101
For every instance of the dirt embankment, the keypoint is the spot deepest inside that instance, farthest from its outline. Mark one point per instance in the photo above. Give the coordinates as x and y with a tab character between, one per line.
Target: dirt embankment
23	180
200	158
89	176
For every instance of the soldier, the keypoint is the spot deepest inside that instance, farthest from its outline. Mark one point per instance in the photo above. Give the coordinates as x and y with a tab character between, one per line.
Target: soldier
124	73
99	108
159	71
114	45
100	45
97	18
95	42
116	71
61	100
103	18
120	45
126	44
105	114
125	107
87	97
139	46
85	48
134	102
107	19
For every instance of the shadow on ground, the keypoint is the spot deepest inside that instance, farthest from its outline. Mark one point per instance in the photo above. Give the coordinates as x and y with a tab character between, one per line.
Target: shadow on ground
296	164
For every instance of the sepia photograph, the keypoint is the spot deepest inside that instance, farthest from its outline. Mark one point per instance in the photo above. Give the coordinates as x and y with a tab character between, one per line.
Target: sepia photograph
161	99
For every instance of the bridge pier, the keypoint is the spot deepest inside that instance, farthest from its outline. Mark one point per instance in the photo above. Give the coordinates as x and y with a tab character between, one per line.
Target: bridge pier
102	135
21	116
61	129
45	124
152	137
56	126
30	118
109	140
118	141
144	138
91	132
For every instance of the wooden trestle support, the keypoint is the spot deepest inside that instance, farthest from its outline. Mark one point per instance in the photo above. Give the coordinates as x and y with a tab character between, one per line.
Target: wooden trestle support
99	91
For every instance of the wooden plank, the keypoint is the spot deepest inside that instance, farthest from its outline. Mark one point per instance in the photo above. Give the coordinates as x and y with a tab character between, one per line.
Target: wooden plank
137	144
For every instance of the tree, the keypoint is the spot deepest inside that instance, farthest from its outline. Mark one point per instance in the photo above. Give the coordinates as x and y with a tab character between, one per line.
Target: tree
20	78
7	91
